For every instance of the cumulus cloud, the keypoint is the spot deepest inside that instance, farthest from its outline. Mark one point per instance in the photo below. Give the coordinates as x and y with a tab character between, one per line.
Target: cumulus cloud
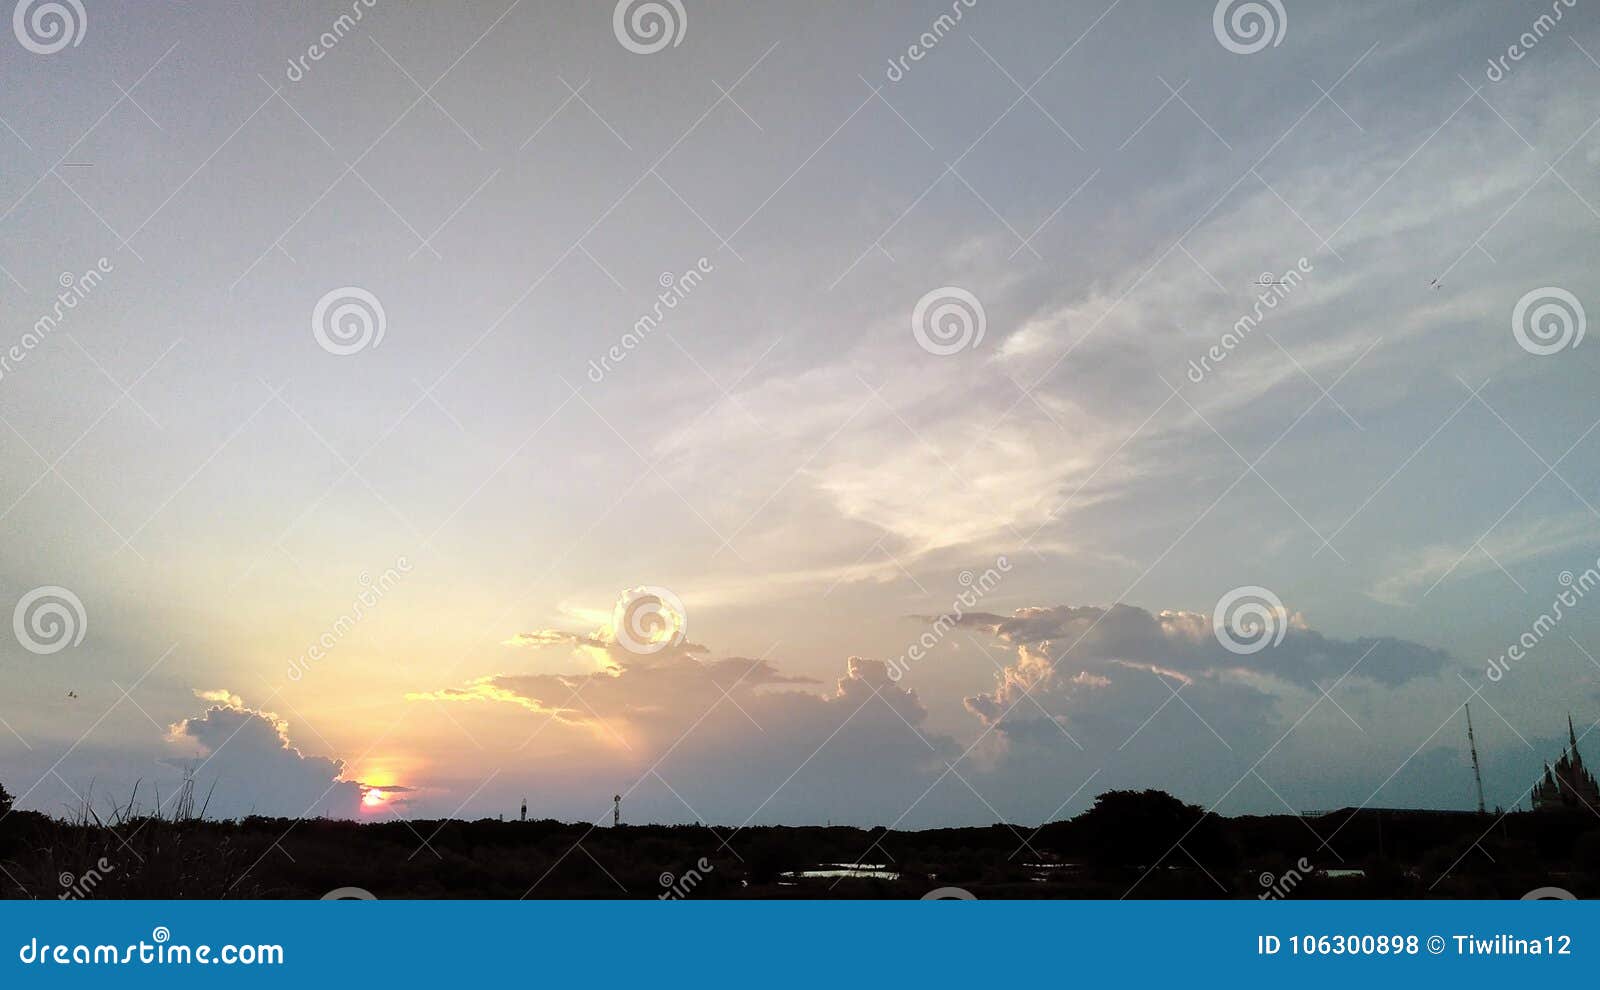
636	697
244	760
1154	696
1143	698
221	695
736	736
1143	714
1065	640
1153	699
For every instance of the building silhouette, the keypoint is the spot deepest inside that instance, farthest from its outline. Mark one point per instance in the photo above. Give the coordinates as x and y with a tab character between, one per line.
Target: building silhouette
1568	785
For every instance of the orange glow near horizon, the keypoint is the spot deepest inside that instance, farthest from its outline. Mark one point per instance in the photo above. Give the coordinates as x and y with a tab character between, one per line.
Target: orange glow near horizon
374	798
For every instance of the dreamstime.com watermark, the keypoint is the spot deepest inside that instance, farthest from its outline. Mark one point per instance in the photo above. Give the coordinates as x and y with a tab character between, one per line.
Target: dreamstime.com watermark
1249	619
348	320
1282	885
680	886
329	39
49	619
74	290
974	588
159	951
47	27
1548	320
929	39
1245	27
1518	50
1275	290
371	593
1577	587
674	290
76	888
649	619
645	27
948	320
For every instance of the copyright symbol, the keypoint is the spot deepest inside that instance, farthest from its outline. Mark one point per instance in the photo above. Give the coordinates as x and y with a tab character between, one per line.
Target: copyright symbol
1436	944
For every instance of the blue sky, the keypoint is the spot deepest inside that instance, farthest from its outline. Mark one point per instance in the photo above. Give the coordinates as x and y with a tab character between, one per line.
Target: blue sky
738	224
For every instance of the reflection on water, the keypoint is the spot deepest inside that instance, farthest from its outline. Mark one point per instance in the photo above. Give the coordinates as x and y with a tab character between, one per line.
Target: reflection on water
1039	872
1042	872
864	871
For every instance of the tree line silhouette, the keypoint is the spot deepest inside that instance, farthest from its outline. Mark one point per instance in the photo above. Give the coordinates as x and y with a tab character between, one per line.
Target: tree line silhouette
1135	843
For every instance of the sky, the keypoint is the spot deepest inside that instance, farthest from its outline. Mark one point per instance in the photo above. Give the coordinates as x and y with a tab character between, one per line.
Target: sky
912	414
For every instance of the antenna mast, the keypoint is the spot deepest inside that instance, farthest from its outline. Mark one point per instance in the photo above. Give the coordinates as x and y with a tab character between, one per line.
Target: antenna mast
1477	774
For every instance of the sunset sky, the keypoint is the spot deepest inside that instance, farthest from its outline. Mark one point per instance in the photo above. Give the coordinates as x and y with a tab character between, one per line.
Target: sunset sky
458	513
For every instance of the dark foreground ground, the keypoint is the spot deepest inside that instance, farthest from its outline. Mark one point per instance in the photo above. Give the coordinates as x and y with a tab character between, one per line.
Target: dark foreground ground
1135	844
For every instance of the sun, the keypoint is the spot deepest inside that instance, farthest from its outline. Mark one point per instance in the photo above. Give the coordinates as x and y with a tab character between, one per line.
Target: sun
380	788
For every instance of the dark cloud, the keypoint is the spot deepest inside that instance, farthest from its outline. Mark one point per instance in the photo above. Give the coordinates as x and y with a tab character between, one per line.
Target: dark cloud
1154	699
1186	645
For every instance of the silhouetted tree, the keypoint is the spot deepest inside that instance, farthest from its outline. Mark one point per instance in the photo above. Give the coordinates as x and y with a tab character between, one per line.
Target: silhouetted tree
773	853
7	825
1144	828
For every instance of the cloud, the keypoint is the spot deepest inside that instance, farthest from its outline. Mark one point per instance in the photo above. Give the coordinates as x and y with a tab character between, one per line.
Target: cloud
221	696
1182	644
930	456
737	737
1152	699
631	697
649	620
1143	698
246	764
1425	568
550	637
